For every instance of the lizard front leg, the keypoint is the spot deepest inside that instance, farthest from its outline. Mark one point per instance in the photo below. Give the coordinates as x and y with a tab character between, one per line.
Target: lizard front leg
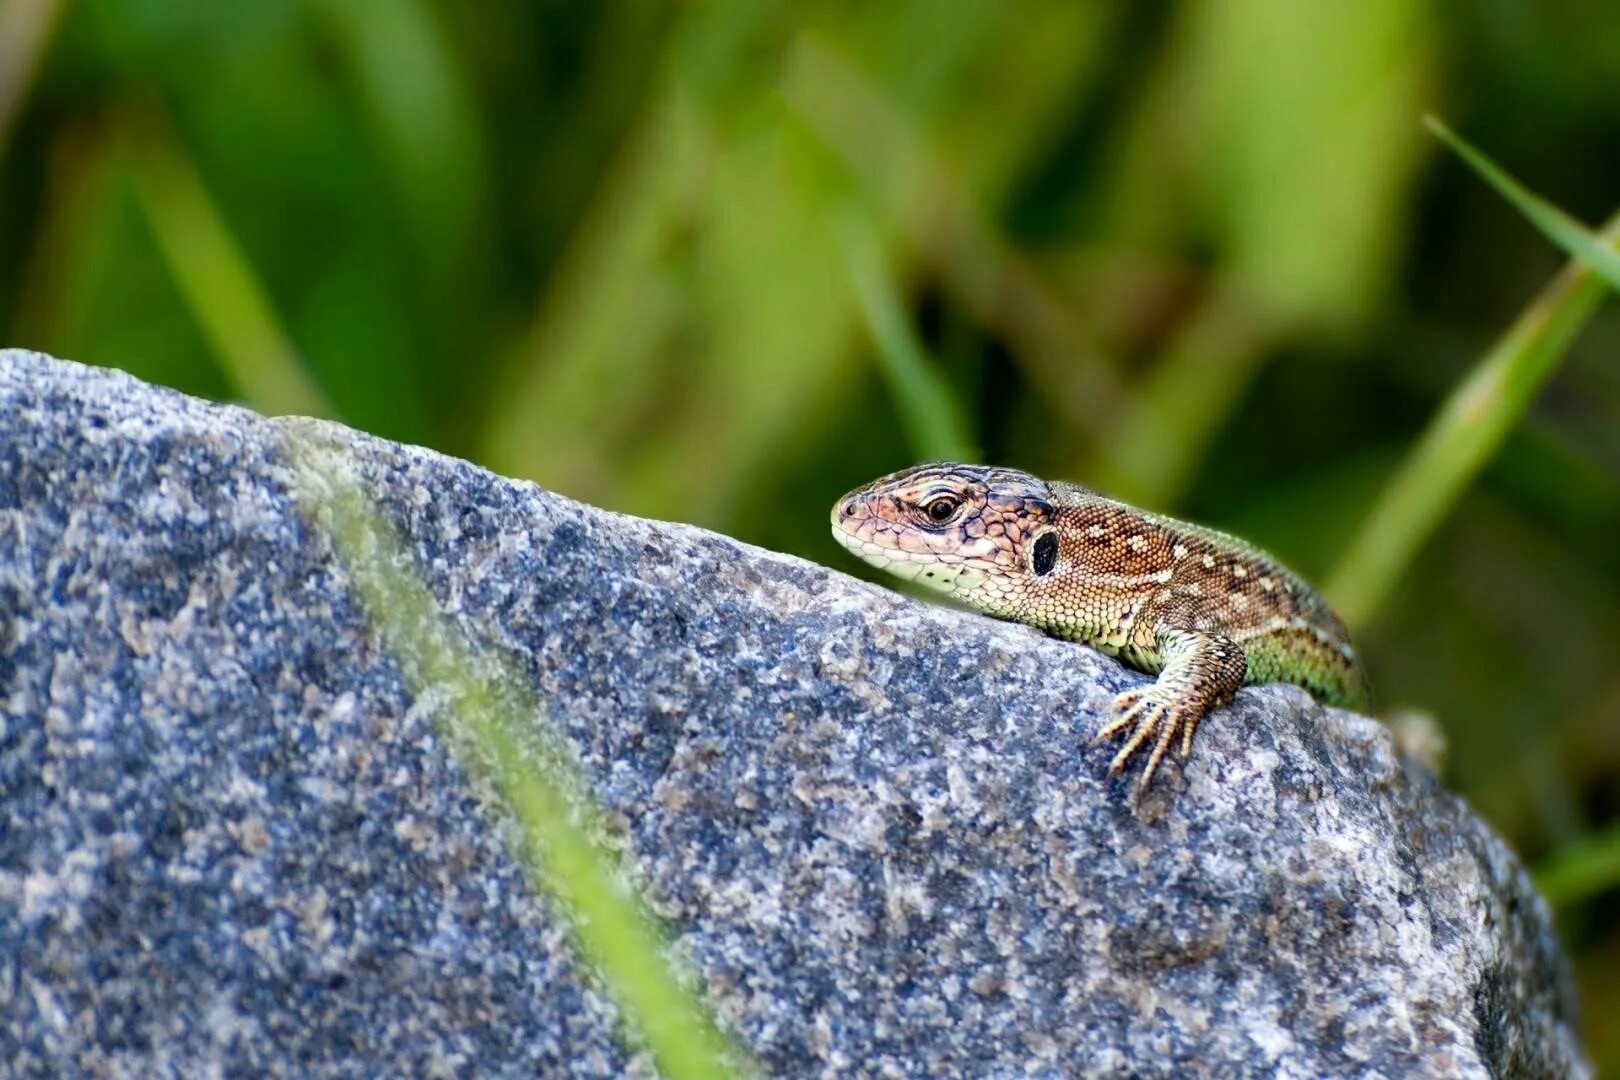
1201	671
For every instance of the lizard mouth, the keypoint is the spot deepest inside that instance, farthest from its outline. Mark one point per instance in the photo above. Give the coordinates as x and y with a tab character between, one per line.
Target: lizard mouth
953	574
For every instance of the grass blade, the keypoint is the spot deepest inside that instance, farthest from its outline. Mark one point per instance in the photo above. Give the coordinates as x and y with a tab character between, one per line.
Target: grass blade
913	189
422	111
73	242
1461	438
25	34
1575	239
483	700
1154	449
1582	869
932	417
214	275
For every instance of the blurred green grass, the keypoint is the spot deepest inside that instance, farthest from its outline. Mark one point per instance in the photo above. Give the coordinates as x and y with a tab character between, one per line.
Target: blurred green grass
685	261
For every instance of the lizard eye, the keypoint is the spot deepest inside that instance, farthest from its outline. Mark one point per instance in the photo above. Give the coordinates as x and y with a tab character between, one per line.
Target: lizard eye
1045	554
942	509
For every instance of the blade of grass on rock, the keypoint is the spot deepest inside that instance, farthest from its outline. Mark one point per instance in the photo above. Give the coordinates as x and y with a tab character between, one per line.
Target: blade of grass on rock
483	700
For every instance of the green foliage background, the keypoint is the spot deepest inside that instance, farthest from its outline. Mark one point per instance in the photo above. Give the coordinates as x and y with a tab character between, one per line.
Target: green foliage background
721	261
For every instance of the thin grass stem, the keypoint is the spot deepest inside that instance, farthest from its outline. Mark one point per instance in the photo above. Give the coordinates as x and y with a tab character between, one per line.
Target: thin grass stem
487	712
214	275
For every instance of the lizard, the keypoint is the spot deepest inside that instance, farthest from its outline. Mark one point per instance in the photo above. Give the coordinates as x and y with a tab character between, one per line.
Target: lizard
1205	611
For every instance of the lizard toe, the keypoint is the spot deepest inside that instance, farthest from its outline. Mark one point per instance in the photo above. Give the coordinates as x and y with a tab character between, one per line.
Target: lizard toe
1127	712
1144	718
1127	698
1167	732
1187	728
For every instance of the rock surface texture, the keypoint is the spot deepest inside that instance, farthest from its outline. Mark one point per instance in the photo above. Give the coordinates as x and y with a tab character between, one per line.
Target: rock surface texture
230	840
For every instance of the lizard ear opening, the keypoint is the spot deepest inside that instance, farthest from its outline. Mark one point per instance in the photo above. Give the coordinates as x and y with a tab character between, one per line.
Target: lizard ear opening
1044	557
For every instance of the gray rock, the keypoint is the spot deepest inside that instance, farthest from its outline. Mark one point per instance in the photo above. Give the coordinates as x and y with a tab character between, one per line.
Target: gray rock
231	841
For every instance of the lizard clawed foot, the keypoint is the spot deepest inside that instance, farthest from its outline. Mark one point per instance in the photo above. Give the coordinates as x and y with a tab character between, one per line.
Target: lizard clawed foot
1148	713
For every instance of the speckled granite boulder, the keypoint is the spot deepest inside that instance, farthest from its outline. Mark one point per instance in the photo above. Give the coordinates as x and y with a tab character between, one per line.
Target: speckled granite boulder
230	840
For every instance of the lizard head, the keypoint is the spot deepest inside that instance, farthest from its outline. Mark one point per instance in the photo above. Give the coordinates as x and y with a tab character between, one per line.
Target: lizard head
984	535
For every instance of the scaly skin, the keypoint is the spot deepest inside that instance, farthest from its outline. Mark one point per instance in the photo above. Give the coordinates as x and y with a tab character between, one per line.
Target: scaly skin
1204	610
